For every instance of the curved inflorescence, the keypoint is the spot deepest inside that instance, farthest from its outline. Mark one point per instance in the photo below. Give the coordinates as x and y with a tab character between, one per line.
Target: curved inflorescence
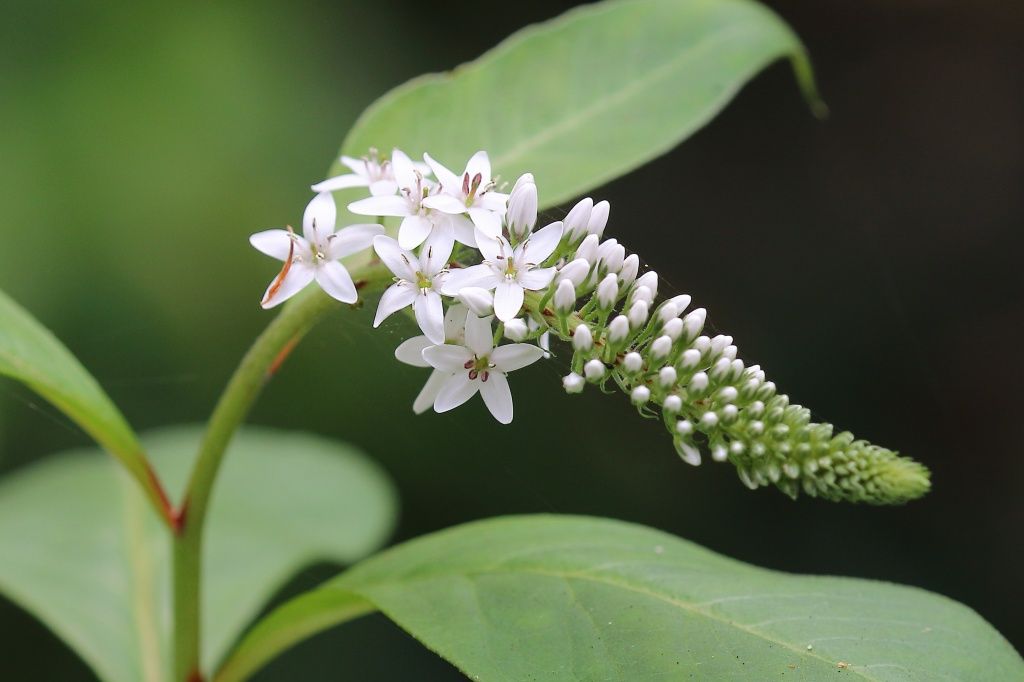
468	257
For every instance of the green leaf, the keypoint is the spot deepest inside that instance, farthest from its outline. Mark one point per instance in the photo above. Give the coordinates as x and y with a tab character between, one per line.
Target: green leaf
83	553
30	353
574	598
586	97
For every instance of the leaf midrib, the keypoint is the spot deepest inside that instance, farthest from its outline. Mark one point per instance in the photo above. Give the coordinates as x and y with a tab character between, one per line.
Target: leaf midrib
666	598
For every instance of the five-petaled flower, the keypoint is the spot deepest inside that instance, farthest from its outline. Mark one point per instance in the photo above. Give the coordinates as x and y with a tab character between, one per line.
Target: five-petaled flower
511	272
419	282
479	366
473	194
419	218
315	254
370	171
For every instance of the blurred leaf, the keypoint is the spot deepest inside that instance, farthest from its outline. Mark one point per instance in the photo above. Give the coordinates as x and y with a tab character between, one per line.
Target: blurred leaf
34	356
588	96
574	598
83	553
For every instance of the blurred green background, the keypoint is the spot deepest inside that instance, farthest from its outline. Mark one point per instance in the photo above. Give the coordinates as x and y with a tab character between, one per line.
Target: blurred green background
870	263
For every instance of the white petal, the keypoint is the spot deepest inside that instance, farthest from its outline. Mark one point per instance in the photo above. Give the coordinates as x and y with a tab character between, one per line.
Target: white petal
383	188
536	279
479	163
394	298
515	356
274	243
455	323
488	222
479	337
280	290
494	249
357	166
445	203
410	351
508	299
352	239
448	357
404	170
335	280
497	396
493	201
436	251
457	389
395	206
541	244
430	315
465	230
318	218
340	182
449	181
398	260
474	276
414	230
430	390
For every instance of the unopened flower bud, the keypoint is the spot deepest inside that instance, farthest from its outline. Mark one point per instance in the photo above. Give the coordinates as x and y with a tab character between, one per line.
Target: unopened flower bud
709	420
699	382
479	301
582	339
618	329
650	280
730	352
611	255
672	404
690	358
719	453
638	314
598	218
516	329
575	271
608	291
684	427
633	362
629	269
694	322
666	311
681	302
719	343
521	215
673	328
640	395
688	452
702	344
728	394
660	347
594	370
587	250
642	293
565	296
573	383
577	219
667	376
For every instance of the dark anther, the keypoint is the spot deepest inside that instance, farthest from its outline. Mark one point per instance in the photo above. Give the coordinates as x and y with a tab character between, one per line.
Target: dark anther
484	376
473	374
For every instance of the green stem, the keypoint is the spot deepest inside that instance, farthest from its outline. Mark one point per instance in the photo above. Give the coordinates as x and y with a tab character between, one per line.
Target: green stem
258	365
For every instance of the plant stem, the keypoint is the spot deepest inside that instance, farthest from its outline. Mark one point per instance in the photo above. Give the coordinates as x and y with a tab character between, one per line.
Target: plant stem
258	365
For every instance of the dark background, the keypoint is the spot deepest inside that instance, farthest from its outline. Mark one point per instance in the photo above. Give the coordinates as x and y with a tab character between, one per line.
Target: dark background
871	264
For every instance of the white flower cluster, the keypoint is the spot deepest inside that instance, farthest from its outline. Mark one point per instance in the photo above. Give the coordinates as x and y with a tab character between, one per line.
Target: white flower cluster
468	257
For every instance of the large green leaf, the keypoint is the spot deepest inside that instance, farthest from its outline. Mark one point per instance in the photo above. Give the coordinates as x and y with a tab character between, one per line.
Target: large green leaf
80	550
34	356
586	97
571	598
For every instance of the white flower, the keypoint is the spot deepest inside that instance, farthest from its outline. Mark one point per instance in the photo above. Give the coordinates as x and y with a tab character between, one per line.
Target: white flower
419	219
419	282
369	171
472	194
479	366
411	353
315	254
511	272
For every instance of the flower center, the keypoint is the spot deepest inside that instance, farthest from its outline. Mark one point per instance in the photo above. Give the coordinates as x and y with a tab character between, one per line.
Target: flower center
479	367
